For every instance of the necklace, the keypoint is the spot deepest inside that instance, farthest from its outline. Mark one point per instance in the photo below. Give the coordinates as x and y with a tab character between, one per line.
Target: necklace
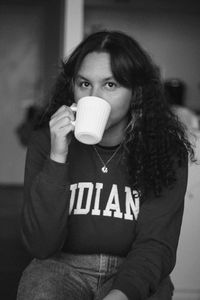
104	169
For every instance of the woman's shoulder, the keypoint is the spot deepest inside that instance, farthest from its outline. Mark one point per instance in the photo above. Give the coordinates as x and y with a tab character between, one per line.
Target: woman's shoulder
41	133
40	138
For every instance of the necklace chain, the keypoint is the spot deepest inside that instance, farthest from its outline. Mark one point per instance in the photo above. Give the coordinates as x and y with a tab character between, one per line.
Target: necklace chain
104	169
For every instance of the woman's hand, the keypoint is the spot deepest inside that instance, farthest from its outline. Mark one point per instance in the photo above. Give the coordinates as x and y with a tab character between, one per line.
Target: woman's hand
60	127
115	295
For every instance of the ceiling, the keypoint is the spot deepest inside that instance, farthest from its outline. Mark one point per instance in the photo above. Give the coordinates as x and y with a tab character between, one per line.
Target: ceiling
182	5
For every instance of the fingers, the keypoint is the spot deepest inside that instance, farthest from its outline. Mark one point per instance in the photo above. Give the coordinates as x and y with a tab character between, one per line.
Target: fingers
60	128
61	123
64	113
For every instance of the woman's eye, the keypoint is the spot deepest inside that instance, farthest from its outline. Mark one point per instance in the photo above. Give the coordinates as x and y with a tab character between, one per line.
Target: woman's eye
111	85
84	84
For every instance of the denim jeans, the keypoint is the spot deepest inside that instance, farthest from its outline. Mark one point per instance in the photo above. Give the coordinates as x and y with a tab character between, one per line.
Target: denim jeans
75	277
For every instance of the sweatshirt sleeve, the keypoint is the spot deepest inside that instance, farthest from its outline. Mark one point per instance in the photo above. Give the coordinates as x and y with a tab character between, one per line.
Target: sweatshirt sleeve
46	199
153	253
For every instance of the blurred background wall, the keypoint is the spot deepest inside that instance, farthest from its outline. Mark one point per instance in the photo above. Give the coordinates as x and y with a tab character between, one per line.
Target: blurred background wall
36	34
29	54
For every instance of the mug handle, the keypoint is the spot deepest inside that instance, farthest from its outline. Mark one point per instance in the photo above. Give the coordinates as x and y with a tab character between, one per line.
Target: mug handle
74	109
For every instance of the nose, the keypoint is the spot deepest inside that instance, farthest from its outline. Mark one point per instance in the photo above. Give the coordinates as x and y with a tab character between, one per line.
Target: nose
95	91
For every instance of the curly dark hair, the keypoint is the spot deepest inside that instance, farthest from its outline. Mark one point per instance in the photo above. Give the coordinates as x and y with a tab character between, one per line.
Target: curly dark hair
155	142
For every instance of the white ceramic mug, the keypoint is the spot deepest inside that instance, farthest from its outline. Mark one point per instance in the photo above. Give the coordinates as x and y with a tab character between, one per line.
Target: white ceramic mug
92	114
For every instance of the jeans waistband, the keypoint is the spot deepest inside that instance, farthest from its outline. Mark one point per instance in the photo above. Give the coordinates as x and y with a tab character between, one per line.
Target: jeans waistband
100	263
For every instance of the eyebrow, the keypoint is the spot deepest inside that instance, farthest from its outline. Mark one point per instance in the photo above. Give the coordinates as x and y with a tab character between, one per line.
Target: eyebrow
79	76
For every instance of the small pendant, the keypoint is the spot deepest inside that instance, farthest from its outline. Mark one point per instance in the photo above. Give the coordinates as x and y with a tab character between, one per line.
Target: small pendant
104	169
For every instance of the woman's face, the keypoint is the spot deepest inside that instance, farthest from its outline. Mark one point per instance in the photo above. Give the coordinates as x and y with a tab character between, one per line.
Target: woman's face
95	78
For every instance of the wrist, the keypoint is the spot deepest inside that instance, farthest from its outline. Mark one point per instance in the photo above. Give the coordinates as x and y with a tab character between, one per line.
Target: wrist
60	158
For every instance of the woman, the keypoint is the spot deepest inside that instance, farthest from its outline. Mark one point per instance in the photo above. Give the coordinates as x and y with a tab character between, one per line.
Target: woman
105	235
